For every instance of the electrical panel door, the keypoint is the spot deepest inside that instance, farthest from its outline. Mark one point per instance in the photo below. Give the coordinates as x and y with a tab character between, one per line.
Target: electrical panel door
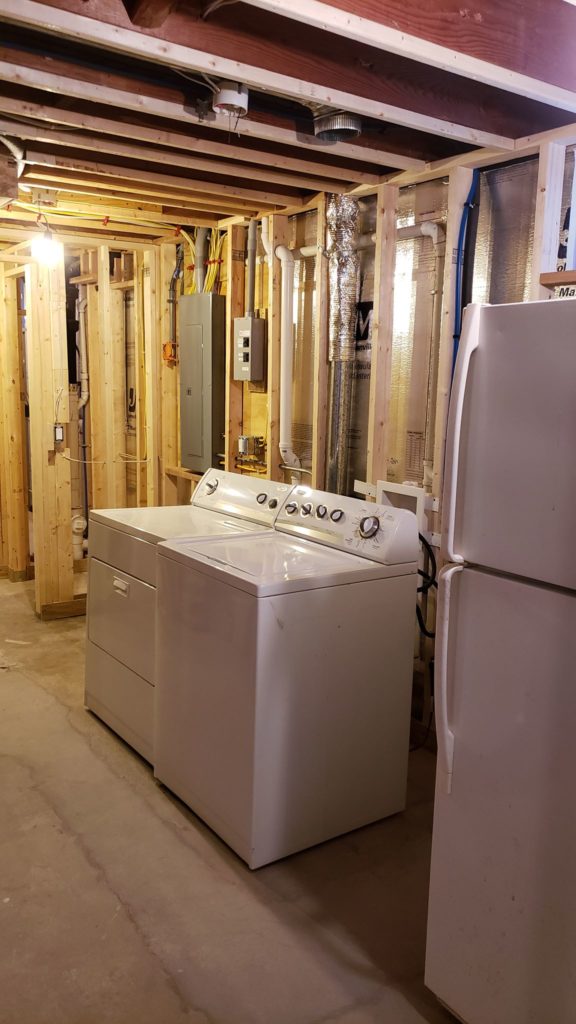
202	348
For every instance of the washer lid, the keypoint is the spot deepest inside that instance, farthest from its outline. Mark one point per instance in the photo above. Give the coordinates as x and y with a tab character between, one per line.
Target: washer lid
271	564
157	524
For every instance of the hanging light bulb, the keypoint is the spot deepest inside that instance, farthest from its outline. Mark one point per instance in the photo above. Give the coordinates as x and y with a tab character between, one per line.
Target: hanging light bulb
46	249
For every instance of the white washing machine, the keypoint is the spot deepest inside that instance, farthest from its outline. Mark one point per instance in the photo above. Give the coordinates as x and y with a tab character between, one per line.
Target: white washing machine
284	673
121	607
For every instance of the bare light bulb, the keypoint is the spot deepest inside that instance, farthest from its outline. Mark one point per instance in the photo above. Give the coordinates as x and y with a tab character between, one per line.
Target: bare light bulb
46	250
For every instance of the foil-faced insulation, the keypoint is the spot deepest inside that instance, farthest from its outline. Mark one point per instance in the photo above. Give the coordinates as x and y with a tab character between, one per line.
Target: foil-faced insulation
505	236
342	217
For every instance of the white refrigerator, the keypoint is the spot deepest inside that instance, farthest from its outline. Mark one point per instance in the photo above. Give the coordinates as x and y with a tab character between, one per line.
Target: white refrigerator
501	943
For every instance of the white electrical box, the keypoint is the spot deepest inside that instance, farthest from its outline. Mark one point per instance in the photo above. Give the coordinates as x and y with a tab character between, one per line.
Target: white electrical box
249	342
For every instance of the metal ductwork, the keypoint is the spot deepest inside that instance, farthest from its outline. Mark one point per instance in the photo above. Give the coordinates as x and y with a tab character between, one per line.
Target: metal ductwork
337	126
342	216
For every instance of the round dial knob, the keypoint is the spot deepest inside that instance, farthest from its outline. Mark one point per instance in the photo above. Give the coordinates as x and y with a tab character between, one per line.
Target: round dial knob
337	515
273	503
261	498
306	508
211	486
369	526
321	511
291	508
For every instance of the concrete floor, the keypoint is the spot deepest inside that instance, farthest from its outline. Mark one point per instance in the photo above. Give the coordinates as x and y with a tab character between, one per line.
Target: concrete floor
117	905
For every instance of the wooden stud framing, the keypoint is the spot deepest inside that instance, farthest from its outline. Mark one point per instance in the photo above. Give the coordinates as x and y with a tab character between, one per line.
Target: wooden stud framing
48	390
13	482
458	189
320	400
547	215
235	274
152	371
279	234
169	380
112	381
382	332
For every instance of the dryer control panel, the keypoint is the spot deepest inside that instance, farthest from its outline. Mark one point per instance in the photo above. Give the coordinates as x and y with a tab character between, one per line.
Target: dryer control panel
246	497
379	532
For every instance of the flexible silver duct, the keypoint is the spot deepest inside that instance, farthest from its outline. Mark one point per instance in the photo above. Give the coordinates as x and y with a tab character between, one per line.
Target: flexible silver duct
342	218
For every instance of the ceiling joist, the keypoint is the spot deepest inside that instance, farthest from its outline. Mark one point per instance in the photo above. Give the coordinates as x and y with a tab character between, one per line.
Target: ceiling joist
190	143
156	155
136	44
76	88
155	178
345	23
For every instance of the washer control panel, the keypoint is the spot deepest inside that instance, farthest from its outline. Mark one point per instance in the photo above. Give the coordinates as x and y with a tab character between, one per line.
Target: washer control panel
247	497
379	532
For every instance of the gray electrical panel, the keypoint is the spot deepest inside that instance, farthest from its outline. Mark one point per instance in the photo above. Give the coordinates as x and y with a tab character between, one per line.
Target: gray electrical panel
202	348
249	339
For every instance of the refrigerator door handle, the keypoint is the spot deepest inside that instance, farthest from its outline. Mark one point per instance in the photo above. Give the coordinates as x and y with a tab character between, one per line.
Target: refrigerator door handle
444	734
468	345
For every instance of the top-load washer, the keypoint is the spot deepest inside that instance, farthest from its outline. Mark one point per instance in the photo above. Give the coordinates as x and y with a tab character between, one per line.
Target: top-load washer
121	607
284	673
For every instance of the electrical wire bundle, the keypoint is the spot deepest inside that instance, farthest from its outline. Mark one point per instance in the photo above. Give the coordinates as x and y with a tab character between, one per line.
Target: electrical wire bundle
214	261
428	582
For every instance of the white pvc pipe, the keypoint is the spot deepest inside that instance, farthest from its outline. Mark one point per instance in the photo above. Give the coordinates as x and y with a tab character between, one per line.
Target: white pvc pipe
82	348
288	456
79	524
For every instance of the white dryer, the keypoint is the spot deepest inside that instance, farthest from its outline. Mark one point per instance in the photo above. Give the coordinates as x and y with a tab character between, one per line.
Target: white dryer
284	673
121	608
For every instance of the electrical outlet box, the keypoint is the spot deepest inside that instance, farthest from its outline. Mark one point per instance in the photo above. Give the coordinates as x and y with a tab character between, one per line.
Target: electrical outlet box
58	433
249	345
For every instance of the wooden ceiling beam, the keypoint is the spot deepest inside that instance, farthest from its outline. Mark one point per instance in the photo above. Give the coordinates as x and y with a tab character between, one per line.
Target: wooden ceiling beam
21	235
343	21
117	210
192	144
56	219
151	154
106	35
149	13
66	181
226	192
75	88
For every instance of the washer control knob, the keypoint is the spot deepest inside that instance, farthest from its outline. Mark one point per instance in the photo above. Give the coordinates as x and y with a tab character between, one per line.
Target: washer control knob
306	509
273	503
369	526
321	511
337	515
261	498
211	486
291	508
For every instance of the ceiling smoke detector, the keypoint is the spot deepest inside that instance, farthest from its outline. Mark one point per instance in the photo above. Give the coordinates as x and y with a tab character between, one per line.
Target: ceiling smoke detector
231	98
337	127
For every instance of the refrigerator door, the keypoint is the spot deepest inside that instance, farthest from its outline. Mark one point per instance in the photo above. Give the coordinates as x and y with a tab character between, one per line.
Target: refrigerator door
502	913
510	482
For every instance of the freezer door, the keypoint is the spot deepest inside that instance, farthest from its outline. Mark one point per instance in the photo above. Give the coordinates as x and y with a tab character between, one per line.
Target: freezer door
501	945
510	482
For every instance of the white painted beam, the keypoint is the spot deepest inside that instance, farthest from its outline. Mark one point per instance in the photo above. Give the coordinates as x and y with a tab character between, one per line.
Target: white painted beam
373	33
161	51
